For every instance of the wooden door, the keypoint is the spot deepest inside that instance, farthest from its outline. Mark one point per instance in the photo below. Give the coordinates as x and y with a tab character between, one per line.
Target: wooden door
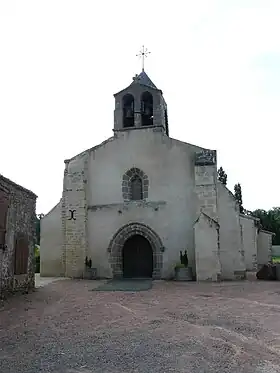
137	258
4	205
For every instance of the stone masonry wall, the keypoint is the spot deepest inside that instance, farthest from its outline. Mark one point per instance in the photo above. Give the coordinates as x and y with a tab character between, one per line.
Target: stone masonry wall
208	266
264	247
20	220
249	234
74	217
231	249
207	239
206	190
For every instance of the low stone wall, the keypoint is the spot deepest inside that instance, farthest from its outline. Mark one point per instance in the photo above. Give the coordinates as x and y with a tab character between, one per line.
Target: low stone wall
18	220
275	251
249	237
264	246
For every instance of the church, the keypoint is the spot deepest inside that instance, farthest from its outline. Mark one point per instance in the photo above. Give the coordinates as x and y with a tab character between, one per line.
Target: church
133	202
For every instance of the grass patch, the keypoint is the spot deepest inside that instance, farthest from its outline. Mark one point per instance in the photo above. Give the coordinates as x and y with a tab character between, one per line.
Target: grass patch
276	259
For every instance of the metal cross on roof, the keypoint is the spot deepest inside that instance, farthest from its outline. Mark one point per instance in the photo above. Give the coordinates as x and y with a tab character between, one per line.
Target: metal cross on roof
143	54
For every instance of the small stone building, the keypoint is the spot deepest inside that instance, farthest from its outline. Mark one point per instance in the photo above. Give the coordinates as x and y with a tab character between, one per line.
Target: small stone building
17	237
133	202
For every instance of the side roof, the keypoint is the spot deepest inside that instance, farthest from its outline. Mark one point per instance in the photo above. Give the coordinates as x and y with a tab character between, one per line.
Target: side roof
52	209
209	218
142	79
110	139
268	232
250	217
4	180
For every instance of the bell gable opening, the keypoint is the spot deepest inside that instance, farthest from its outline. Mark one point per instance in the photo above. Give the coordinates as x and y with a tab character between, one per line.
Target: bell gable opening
147	111
128	111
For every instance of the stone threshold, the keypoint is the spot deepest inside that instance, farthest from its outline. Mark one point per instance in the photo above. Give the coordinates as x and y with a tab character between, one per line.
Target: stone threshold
127	205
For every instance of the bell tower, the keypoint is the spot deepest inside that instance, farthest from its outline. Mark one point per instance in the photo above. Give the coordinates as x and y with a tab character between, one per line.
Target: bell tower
141	105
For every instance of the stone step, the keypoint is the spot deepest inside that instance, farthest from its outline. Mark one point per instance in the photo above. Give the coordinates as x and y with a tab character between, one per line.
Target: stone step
251	275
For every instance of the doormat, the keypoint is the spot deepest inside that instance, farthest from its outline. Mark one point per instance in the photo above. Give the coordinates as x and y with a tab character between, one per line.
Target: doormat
126	285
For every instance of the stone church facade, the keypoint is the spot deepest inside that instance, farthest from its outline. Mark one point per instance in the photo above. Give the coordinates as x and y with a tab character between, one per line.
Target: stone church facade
133	202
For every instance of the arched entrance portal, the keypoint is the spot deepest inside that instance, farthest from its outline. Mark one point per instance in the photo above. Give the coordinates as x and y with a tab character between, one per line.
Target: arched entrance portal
137	256
120	238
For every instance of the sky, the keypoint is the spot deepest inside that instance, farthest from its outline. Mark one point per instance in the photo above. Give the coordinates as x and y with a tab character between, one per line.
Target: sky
216	61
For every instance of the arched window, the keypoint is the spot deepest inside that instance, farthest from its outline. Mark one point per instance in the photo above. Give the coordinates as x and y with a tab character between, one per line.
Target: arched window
128	110
147	110
136	188
135	185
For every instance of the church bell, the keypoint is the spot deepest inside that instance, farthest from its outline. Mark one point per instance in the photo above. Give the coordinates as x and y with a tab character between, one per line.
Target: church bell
129	113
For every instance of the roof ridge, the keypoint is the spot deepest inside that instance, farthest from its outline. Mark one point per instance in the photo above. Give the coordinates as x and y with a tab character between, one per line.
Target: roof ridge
208	217
17	186
143	79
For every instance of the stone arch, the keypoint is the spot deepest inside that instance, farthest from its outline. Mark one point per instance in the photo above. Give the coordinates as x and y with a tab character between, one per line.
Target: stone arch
147	109
128	110
127	180
127	231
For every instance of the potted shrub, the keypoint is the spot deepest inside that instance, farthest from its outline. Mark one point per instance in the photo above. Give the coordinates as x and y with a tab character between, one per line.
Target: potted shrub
182	271
89	272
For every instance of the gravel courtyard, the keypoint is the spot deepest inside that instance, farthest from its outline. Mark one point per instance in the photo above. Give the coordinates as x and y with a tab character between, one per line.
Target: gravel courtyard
174	327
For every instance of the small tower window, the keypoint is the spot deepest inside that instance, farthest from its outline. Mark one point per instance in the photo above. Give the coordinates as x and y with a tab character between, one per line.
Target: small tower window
136	188
147	111
128	111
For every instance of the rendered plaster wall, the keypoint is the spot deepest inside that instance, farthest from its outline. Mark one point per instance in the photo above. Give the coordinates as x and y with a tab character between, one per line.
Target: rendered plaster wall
170	208
249	235
231	249
51	244
264	246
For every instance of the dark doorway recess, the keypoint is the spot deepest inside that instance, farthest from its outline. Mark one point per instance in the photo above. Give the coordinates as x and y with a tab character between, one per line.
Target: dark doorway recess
137	258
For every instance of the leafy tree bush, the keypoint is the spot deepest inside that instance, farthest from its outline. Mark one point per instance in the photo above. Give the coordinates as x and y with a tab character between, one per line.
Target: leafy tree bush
270	221
222	176
238	196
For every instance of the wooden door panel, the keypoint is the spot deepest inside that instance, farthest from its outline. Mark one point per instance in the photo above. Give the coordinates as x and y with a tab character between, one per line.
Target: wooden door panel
4	205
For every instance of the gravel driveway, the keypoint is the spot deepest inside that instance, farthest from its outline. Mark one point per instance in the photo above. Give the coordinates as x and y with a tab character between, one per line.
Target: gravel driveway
174	327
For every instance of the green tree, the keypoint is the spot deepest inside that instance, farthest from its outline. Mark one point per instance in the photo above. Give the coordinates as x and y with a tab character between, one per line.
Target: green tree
270	220
238	197
38	227
222	176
